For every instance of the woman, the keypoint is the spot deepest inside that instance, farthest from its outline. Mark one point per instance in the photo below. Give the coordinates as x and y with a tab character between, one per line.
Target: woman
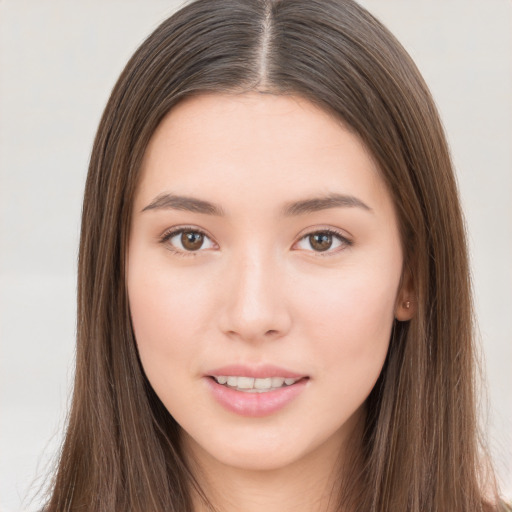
274	309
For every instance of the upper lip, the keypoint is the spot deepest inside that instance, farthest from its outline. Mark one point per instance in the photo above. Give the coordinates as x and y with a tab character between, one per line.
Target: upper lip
255	371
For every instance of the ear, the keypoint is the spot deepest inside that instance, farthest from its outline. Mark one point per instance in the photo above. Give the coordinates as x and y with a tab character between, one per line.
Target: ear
406	304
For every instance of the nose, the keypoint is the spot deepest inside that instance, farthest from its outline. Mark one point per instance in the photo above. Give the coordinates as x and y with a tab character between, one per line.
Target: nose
254	306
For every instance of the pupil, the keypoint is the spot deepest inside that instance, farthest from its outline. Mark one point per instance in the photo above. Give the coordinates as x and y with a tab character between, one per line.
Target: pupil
191	240
320	241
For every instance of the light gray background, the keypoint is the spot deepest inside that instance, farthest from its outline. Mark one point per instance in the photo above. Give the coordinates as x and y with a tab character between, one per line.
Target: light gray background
58	62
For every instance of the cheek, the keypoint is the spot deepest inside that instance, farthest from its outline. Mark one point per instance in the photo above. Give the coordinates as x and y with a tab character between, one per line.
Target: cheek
351	316
351	328
169	315
169	312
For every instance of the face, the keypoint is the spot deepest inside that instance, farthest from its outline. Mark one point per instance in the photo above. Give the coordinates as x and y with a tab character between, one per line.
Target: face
264	270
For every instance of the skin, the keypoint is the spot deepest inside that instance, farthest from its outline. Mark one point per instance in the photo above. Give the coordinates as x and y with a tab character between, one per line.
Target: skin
257	292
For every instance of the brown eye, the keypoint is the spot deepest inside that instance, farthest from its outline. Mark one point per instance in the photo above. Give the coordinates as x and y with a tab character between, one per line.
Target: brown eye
327	241
187	241
320	241
192	240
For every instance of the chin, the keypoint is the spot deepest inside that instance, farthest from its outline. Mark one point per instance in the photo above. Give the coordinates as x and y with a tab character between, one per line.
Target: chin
263	450
259	459
249	452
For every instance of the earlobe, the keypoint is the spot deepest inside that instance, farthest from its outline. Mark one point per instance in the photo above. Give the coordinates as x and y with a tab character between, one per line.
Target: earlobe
405	310
406	304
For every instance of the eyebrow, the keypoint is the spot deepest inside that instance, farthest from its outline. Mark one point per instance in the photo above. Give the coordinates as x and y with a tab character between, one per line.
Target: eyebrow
189	204
323	203
293	208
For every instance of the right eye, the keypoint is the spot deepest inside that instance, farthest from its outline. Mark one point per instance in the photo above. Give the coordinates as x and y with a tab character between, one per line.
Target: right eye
185	240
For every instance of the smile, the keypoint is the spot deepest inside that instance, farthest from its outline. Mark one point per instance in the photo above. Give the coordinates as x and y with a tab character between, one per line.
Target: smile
254	385
255	391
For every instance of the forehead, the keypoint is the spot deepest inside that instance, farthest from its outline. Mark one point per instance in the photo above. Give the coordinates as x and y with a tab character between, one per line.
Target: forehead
258	148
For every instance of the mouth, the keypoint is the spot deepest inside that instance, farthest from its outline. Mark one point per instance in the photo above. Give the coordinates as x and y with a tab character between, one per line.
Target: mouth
255	384
255	390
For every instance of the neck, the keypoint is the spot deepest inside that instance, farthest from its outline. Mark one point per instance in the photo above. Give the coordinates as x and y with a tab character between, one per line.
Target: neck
310	484
295	489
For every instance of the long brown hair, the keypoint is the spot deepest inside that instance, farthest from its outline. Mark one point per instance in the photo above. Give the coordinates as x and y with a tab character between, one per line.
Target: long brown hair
421	453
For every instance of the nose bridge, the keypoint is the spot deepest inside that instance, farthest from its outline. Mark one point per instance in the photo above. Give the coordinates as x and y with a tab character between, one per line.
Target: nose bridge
255	306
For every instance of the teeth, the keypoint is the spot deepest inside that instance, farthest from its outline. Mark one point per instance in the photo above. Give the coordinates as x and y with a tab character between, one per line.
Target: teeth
252	385
277	382
245	383
263	383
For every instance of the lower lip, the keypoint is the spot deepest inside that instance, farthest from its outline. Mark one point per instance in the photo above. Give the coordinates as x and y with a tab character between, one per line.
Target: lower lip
255	404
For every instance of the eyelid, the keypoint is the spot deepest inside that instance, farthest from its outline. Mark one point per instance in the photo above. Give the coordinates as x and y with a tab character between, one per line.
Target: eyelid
173	231
345	239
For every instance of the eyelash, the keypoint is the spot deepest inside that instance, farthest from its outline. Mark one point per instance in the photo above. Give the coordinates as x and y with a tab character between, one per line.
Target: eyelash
175	231
345	242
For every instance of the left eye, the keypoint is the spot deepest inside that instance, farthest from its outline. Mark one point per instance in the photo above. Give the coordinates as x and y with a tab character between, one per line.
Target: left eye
322	241
189	240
